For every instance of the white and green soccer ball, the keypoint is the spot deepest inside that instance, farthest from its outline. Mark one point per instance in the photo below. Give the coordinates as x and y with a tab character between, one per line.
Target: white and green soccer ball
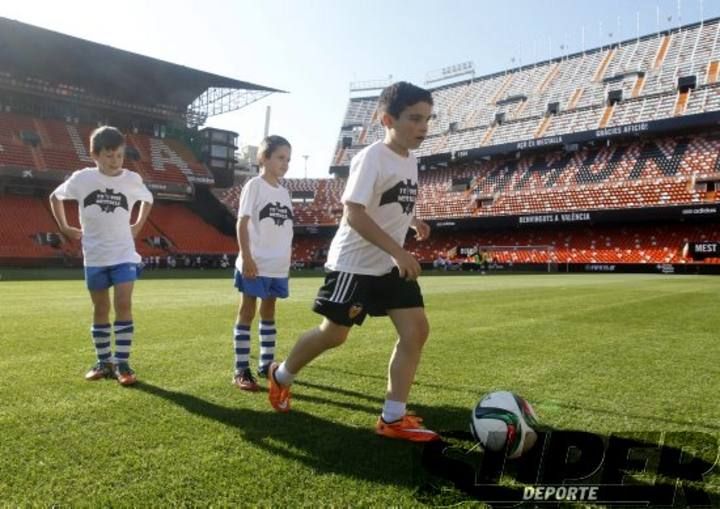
503	420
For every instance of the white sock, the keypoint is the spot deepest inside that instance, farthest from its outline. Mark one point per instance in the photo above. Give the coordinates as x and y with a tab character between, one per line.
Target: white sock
283	376
393	410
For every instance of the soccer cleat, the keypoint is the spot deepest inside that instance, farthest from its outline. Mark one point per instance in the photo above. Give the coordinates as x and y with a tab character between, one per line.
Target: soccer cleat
125	376
262	371
99	371
245	381
408	428
278	395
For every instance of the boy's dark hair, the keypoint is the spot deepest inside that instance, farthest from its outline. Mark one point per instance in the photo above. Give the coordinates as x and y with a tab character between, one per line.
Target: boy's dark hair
105	137
398	96
269	145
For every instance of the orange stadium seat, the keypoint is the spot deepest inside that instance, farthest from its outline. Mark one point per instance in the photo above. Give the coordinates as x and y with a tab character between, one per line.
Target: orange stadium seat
22	218
600	244
502	108
188	232
64	146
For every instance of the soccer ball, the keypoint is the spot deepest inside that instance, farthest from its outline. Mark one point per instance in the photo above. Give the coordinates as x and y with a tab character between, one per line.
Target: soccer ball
504	421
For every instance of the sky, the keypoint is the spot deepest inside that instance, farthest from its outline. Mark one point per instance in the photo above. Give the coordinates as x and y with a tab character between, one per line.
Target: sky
314	49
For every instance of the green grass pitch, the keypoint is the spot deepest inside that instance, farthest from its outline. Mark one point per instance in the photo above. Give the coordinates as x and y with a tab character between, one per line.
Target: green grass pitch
601	353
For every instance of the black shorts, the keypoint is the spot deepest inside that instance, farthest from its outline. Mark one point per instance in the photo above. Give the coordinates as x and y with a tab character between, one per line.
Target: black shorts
347	298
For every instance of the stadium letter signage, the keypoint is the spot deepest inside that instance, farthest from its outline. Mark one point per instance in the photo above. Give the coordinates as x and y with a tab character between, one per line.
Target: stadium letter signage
569	217
623	129
674	124
540	142
600	267
699	211
702	250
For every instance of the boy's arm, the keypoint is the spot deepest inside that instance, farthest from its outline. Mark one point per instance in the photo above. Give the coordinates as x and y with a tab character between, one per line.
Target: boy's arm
142	217
58	211
368	229
243	236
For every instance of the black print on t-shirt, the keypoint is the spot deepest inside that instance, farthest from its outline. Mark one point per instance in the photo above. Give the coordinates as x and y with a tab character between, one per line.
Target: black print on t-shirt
404	193
107	200
278	213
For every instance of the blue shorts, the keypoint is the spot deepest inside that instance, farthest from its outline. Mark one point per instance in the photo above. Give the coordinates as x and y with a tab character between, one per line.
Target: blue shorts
100	278
263	287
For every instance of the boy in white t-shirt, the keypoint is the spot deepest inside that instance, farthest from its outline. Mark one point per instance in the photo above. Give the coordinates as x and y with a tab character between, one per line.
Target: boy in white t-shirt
264	232
370	272
106	196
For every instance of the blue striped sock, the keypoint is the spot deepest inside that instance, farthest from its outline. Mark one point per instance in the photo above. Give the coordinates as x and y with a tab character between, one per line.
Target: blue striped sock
101	339
268	335
123	340
242	347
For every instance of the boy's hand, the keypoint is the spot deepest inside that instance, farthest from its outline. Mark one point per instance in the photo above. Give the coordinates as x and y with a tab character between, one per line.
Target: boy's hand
71	232
135	229
422	229
250	270
407	265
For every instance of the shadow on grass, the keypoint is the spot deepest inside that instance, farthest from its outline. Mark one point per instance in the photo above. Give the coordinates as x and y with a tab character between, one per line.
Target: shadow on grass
444	387
338	390
436	417
569	406
326	446
443	473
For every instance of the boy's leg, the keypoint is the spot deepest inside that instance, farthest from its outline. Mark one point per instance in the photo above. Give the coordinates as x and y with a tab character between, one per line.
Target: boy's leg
342	302
124	329
310	345
268	334
313	343
241	339
122	298
101	305
101	332
413	330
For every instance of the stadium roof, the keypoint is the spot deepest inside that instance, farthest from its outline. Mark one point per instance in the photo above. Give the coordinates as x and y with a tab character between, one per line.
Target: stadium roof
30	51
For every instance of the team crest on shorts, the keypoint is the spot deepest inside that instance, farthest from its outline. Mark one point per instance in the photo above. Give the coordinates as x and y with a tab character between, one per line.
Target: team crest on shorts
354	310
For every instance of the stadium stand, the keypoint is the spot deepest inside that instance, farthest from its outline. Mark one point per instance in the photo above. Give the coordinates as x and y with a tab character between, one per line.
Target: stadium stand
613	136
603	244
52	96
61	146
608	157
643	174
323	208
23	219
650	173
27	221
575	245
645	71
188	232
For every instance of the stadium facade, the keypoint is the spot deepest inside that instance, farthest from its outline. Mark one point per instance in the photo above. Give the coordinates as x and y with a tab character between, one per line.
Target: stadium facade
603	160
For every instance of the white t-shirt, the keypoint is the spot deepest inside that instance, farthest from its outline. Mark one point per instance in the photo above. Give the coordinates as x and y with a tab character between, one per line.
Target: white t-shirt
386	184
270	227
105	204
